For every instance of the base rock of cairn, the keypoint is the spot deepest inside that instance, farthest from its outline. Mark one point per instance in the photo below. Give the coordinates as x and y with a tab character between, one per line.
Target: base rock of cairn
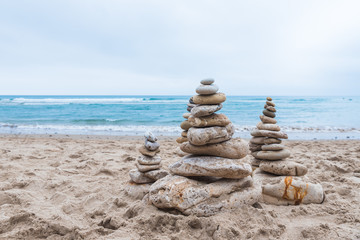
216	175
148	165
269	156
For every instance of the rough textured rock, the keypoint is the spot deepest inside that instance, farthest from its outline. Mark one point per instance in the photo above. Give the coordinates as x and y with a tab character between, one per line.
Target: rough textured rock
258	140
230	149
268	126
210	166
150	136
209	99
180	153
146	152
290	191
139	177
145	160
151	146
207	89
184	134
210	121
270	134
269	114
266	119
195	197
207	81
181	139
146	168
203	136
272	147
205	110
185	125
272	141
283	168
272	155
156	174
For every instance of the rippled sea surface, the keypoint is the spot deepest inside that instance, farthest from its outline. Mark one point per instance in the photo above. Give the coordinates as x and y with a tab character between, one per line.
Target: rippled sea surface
300	117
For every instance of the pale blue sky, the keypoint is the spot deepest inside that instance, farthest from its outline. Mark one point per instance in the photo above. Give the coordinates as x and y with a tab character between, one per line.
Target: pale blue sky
166	47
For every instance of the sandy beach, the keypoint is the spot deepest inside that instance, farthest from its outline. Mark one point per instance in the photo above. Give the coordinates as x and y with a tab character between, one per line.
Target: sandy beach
72	187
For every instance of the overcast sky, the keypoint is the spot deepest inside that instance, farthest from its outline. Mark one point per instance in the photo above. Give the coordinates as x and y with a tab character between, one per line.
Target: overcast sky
166	47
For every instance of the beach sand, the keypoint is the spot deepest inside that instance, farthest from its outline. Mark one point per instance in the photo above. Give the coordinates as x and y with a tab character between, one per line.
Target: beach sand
72	187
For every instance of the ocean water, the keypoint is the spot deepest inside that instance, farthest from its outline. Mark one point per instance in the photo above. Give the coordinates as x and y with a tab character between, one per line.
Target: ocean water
300	117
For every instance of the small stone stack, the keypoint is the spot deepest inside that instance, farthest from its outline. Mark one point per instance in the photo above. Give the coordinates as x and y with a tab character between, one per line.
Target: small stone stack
148	165
269	155
267	149
216	169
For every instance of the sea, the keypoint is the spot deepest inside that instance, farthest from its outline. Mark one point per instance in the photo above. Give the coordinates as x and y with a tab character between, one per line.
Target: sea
303	118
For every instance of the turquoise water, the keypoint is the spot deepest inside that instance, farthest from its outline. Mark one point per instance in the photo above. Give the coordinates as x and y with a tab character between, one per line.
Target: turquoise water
301	117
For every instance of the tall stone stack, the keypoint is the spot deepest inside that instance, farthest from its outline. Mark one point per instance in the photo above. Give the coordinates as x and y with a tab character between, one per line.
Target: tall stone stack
215	168
270	156
148	165
267	149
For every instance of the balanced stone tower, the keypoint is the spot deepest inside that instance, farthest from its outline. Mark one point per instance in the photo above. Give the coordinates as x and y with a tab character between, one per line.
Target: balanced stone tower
215	176
267	149
270	157
148	165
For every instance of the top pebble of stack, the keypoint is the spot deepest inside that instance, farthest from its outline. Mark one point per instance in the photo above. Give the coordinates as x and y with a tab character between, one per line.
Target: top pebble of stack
207	87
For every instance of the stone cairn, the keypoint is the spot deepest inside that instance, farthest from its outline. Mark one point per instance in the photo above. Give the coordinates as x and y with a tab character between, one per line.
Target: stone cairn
148	165
215	167
185	125
269	156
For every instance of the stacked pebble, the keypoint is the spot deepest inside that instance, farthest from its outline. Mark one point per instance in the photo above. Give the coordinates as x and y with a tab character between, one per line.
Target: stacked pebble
267	149
210	136
185	124
148	165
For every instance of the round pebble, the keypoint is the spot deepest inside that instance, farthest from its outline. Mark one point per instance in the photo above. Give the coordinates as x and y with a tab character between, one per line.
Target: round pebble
207	81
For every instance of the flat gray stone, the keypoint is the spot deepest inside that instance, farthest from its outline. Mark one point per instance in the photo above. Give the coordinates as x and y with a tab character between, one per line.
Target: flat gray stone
272	147
203	136
230	149
283	168
146	160
272	155
146	168
268	126
151	146
207	81
207	89
139	177
255	147
266	119
270	134
210	166
156	174
269	114
150	136
205	110
258	140
213	120
137	191
200	198
272	141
